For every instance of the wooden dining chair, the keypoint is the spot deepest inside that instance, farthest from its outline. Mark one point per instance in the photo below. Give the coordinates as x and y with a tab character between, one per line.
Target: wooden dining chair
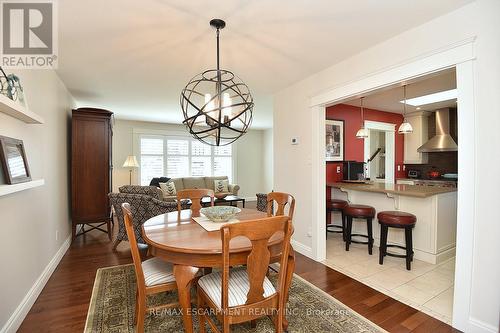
153	275
245	293
195	195
282	201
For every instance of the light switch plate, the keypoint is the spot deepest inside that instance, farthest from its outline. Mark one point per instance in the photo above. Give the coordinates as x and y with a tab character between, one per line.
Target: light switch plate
338	168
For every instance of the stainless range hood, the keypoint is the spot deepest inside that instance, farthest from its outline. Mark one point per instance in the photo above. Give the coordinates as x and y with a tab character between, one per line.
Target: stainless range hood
442	141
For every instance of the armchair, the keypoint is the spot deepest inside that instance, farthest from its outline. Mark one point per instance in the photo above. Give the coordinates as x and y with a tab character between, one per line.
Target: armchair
145	203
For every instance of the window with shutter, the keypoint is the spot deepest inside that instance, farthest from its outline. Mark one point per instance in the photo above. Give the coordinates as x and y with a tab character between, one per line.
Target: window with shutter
176	157
152	162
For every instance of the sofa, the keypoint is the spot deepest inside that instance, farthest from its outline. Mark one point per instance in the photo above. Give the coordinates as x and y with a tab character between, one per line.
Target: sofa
145	203
186	183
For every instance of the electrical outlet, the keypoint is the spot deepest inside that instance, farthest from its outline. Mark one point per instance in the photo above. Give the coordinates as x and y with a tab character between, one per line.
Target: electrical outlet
338	168
399	167
295	141
309	233
57	235
404	167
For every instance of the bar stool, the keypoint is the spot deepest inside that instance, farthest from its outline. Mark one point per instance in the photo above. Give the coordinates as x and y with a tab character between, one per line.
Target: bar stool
336	205
359	212
401	220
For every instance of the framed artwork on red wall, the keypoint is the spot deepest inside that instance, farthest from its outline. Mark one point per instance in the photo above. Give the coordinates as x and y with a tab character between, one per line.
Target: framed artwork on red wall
334	148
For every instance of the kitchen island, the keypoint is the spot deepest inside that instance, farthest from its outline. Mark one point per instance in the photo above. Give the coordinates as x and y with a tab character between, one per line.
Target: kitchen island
435	208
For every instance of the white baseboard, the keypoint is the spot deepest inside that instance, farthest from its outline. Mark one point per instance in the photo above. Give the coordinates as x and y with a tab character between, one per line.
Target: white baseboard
250	198
24	307
478	326
302	249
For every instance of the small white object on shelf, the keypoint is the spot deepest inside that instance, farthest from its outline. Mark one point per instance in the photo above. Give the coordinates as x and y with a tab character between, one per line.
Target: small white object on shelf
16	110
9	189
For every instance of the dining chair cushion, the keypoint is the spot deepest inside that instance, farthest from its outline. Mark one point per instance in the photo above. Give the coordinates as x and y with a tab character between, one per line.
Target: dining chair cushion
238	287
157	271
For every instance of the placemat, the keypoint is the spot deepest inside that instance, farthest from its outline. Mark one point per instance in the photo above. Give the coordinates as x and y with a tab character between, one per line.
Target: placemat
212	226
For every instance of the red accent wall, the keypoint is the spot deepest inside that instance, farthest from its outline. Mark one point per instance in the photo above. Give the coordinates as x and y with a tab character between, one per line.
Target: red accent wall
354	147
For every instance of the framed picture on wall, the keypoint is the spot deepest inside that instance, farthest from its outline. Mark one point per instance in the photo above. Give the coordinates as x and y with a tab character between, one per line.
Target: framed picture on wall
334	148
14	162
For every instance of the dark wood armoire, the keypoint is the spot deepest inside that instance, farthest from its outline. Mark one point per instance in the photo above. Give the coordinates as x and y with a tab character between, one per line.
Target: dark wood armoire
91	167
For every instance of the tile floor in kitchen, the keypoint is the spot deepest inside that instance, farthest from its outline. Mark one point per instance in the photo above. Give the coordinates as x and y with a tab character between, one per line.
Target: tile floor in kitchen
427	287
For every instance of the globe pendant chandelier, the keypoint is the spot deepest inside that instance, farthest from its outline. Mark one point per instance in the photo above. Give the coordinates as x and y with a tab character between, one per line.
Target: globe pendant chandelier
217	106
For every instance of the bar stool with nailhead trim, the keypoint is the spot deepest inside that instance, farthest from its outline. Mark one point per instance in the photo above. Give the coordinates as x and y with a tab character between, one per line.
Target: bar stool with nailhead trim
401	220
359	212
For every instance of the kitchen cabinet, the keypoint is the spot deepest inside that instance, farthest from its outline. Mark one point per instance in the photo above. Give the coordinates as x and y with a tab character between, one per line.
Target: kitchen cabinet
413	141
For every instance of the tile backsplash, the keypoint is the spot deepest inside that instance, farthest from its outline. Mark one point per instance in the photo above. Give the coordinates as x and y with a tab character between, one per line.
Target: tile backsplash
445	162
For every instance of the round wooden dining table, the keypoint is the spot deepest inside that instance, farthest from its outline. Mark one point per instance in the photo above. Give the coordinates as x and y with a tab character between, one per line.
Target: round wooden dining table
176	238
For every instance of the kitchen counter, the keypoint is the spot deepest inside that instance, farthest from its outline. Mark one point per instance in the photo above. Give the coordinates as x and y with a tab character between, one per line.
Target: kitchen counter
398	189
435	208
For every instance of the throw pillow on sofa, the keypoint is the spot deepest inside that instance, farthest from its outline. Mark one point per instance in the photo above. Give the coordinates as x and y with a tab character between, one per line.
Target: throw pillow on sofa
157	180
168	189
221	185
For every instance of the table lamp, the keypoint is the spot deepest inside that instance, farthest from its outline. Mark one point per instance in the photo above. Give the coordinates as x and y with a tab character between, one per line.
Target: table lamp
131	163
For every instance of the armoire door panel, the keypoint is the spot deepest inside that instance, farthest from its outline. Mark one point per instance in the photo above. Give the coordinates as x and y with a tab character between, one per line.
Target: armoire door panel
92	169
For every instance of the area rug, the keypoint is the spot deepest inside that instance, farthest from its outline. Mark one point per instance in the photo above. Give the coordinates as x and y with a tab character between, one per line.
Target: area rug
309	309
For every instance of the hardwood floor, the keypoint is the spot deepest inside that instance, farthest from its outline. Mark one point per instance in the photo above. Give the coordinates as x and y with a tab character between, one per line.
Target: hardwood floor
62	305
381	309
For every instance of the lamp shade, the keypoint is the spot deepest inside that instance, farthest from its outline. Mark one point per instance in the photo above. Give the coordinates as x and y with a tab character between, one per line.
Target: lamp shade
131	162
362	133
405	127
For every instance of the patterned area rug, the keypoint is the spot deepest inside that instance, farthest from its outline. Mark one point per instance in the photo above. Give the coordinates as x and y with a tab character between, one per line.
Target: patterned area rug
310	309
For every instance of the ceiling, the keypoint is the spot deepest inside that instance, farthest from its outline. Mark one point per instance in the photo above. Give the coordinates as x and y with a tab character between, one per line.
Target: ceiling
390	98
134	57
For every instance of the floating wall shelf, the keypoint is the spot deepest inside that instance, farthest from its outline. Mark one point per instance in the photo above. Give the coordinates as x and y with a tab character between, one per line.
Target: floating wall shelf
9	189
18	111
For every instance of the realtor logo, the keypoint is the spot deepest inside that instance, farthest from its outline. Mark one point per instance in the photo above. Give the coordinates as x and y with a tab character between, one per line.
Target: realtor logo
29	38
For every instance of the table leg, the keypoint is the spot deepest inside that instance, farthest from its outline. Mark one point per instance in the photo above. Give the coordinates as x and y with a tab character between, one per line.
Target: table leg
290	268
184	275
243	203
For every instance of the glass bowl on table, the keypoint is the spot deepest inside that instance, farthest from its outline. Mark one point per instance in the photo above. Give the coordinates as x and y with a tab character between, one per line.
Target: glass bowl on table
219	214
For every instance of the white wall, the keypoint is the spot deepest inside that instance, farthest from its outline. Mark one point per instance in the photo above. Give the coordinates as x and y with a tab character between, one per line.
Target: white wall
267	161
30	219
292	118
250	159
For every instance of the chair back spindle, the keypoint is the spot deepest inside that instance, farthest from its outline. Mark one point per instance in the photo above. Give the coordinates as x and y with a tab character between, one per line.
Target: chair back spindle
259	232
